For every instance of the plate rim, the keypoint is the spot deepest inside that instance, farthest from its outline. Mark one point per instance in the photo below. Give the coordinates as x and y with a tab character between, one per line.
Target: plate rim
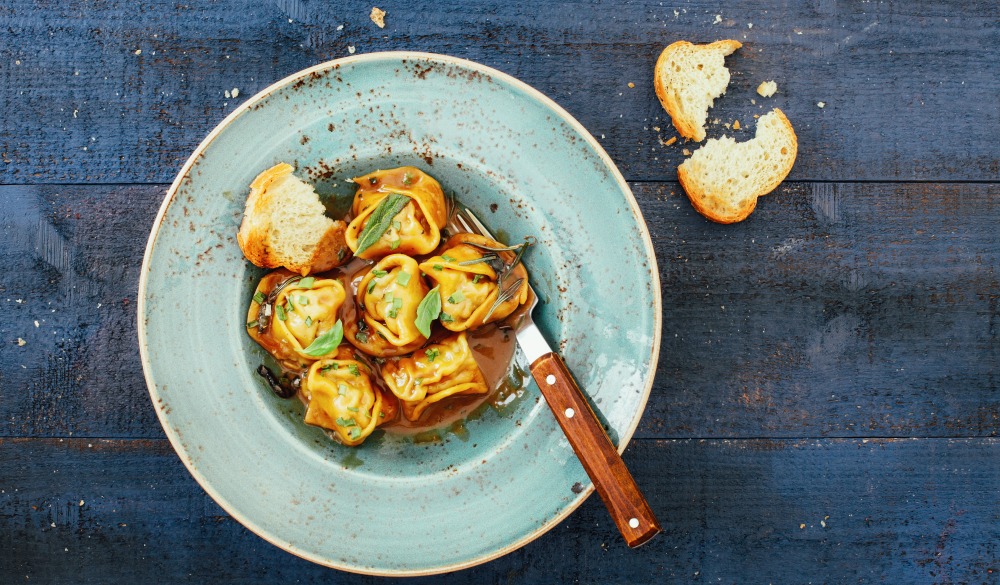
177	444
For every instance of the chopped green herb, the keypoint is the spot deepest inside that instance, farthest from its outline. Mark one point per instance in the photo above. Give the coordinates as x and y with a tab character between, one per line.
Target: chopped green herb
477	278
326	342
362	337
417	381
407	179
309	321
252	324
352	408
354	434
328	367
281	312
307	282
447	258
427	311
403	278
397	226
342	389
432	354
289	307
303	300
341	253
346	422
446	318
438	267
397	303
378	222
393	313
456	297
379	273
387	297
259	298
353	368
371	285
395	244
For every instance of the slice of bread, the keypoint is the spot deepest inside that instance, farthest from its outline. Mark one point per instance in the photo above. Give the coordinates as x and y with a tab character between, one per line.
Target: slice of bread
688	78
724	178
284	224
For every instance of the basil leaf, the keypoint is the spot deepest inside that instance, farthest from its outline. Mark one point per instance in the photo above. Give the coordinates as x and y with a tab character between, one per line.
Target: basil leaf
378	222
427	311
327	342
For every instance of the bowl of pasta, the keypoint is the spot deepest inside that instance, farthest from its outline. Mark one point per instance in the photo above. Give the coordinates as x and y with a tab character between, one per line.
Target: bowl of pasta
332	359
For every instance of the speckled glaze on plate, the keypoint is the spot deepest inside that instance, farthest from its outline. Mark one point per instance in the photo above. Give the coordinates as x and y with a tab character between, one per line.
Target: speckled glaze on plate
394	506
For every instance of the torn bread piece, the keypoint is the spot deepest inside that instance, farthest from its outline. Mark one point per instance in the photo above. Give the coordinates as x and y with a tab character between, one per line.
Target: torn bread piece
285	224
724	178
688	78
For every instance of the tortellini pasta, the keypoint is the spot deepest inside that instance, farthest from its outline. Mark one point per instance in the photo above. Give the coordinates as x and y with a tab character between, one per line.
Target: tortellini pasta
469	290
388	296
343	399
415	229
441	370
303	310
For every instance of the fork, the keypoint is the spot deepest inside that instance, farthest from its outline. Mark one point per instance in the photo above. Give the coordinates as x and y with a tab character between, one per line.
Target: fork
626	504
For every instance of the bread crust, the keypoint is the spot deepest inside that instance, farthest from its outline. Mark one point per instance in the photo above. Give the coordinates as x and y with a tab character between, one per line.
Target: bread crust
668	97
699	197
254	235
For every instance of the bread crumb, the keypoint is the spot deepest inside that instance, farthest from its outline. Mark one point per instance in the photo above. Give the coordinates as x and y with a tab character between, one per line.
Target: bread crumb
138	51
341	27
657	128
767	88
802	526
821	104
755	116
753	101
727	125
21	342
378	16
822	523
36	324
749	25
630	84
351	49
686	152
226	93
81	503
235	92
672	140
718	19
736	124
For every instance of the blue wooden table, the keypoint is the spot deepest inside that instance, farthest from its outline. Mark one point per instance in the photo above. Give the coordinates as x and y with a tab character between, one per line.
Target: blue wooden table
826	399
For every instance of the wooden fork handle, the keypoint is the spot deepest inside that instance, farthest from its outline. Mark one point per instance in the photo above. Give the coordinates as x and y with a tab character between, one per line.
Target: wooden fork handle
614	483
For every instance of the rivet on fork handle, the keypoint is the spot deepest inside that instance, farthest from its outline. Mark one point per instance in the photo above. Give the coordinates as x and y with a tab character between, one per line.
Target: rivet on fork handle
614	483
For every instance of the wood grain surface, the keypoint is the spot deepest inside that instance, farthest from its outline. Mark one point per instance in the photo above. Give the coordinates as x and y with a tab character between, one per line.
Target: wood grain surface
826	400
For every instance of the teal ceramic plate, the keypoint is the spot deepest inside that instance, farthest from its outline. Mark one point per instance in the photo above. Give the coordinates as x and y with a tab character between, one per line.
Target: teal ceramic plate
395	506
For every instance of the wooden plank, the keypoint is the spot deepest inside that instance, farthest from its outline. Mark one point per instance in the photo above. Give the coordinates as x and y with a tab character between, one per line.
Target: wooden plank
101	92
836	310
829	511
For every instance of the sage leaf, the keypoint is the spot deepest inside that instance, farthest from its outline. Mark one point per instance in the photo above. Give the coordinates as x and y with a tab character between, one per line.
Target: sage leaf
380	219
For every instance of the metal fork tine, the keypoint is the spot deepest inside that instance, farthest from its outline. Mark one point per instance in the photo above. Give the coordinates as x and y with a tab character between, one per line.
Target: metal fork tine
460	219
475	220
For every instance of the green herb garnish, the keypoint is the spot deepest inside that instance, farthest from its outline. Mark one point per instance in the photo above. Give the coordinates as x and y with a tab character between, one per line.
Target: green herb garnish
432	354
342	389
379	273
354	434
397	226
259	298
307	282
303	300
309	321
252	324
281	312
447	258
397	303
477	278
456	297
378	221
326	342
407	179
446	318
362	337
395	244
353	368
438	267
371	285
403	278
352	408
428	310
346	422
